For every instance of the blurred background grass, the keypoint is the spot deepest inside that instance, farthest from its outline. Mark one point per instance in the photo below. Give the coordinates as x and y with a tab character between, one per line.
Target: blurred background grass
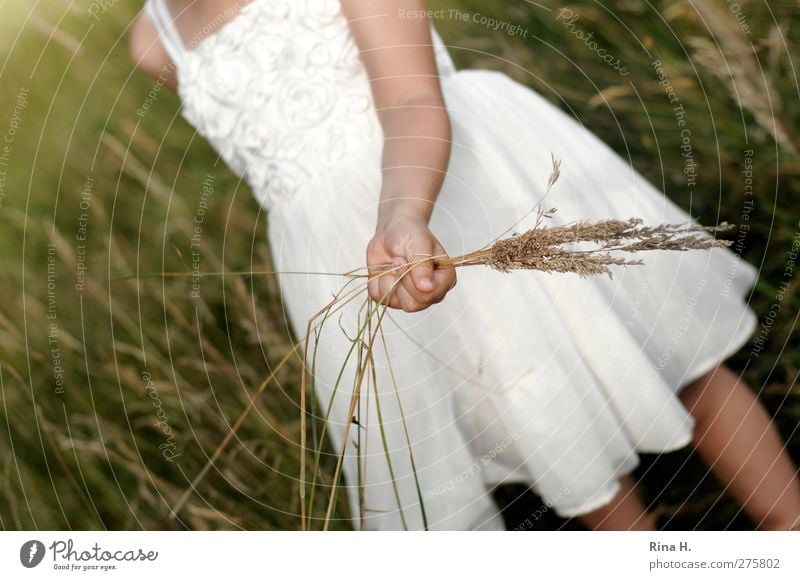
85	369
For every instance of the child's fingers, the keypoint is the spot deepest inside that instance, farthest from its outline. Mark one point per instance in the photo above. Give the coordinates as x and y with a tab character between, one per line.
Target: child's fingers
407	302
413	288
373	287
419	281
423	297
422	277
380	280
413	301
445	278
386	282
375	284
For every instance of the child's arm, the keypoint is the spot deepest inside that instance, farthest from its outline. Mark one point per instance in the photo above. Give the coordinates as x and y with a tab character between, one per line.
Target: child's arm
395	45
148	54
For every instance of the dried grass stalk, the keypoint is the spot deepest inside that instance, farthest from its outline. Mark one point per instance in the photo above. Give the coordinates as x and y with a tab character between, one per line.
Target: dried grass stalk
564	248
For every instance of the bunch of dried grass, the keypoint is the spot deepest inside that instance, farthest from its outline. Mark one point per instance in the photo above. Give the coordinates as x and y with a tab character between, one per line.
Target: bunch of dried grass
556	249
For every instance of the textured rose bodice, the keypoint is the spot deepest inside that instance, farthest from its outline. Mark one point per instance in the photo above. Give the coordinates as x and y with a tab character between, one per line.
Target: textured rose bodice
279	91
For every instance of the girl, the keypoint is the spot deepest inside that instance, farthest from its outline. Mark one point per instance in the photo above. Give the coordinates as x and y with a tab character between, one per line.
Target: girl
354	130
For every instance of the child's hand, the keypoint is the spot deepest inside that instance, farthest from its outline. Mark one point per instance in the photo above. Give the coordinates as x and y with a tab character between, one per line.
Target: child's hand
397	242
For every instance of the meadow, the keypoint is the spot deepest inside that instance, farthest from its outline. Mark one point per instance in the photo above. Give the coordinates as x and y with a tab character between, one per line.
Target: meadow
118	383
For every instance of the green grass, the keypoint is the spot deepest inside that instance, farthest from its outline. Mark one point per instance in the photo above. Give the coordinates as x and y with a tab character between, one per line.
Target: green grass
89	457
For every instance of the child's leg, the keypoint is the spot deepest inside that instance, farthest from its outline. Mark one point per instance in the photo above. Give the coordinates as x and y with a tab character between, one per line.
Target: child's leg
625	512
736	438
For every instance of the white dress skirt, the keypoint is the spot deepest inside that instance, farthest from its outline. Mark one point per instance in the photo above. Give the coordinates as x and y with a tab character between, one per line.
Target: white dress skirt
549	380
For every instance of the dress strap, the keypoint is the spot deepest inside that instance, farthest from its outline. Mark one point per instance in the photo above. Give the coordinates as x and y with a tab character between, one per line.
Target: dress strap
443	59
165	24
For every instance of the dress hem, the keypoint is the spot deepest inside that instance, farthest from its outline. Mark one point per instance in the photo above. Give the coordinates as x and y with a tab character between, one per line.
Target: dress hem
733	347
611	490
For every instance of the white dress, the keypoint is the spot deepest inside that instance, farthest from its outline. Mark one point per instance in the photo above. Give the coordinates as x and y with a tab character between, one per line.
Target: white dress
546	379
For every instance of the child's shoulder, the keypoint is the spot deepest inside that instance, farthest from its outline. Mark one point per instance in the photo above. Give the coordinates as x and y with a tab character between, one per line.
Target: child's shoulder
147	53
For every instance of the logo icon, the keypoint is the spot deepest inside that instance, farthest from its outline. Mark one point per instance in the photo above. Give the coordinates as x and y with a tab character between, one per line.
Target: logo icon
31	553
